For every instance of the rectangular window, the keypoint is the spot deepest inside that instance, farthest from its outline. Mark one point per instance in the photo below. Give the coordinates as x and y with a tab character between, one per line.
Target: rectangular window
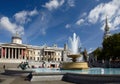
38	58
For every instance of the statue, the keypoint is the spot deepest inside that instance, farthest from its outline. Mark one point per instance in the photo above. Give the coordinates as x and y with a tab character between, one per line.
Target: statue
23	66
85	55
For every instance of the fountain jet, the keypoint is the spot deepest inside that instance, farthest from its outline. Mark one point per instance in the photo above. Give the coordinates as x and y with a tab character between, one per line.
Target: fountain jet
74	44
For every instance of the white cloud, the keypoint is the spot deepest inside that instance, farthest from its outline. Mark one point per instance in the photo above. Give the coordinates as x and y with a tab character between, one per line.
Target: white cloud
110	9
79	22
71	3
33	12
84	14
67	26
116	21
53	4
62	38
39	26
20	19
95	13
11	27
23	17
81	19
90	50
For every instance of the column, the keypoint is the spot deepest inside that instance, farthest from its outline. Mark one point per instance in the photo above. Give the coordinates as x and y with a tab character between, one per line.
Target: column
1	52
19	56
5	52
22	53
12	53
8	53
15	53
44	56
52	55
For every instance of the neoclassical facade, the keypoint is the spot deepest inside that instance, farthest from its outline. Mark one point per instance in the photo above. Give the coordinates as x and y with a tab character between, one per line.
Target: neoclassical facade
18	51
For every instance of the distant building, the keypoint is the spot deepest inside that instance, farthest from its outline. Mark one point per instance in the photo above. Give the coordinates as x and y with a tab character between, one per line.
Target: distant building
106	30
22	52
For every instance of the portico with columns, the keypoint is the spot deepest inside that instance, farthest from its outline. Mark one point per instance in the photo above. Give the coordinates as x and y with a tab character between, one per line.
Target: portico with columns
13	51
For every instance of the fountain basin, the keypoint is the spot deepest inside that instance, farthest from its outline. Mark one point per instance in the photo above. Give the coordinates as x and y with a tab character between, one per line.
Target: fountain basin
74	65
74	56
11	71
91	78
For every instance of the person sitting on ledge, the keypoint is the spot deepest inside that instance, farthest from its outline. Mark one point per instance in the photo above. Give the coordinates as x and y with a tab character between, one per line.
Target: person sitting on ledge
29	77
4	67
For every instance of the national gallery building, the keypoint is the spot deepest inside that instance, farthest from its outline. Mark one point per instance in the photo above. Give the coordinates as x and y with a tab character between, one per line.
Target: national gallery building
17	52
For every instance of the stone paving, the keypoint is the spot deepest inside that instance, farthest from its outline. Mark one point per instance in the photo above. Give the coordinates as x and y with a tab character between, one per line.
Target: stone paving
20	80
7	79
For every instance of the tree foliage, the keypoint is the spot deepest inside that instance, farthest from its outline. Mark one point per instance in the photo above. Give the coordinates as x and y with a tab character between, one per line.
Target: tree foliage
97	53
111	48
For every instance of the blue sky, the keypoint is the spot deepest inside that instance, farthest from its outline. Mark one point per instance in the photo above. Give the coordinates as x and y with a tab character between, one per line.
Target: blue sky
51	22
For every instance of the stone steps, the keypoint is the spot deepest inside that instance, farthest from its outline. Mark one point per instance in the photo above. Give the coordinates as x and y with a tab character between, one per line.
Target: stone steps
47	78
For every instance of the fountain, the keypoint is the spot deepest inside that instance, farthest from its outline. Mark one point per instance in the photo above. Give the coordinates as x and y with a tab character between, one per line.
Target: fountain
74	54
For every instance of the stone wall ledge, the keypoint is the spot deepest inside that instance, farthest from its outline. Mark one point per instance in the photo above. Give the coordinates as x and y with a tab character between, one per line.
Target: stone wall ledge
91	78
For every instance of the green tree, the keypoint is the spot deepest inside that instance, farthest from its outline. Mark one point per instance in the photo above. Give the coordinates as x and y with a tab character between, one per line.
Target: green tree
97	53
111	47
